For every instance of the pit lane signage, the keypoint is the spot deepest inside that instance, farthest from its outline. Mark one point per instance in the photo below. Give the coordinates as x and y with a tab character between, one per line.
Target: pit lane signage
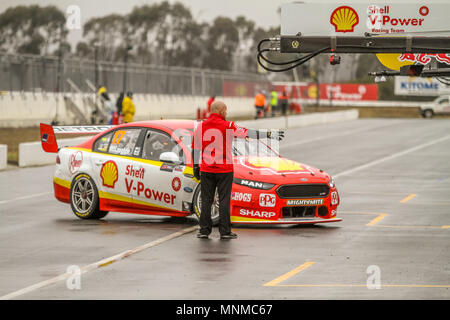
415	86
356	19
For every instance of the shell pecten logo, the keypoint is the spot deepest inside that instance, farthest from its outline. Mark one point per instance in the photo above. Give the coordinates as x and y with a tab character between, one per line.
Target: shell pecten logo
344	19
109	174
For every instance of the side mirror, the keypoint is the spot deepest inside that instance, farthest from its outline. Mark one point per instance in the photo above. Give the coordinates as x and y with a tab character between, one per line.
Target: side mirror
170	157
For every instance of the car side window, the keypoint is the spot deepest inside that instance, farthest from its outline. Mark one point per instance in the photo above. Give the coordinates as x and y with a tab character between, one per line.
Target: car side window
123	142
443	101
102	143
156	143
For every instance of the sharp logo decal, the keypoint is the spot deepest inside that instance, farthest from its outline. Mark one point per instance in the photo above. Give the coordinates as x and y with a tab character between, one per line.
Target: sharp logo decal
344	19
305	202
75	161
176	184
267	200
109	174
256	213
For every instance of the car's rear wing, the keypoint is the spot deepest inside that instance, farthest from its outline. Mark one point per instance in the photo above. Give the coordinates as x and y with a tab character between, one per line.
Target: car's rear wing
48	132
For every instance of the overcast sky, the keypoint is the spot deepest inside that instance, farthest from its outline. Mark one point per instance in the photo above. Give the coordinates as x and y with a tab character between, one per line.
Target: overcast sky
262	12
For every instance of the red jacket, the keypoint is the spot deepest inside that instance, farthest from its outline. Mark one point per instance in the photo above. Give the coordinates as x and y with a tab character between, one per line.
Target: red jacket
213	139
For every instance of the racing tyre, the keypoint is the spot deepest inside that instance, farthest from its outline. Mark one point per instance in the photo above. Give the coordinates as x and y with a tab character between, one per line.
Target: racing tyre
84	199
197	206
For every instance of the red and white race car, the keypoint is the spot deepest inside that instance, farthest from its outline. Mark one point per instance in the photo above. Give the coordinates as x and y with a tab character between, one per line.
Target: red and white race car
146	168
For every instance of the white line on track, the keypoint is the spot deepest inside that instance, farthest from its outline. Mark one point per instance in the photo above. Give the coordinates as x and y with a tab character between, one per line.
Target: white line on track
345	133
25	197
98	264
390	157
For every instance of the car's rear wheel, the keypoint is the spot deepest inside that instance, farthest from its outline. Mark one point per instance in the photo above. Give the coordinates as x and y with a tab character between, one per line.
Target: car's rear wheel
197	206
84	199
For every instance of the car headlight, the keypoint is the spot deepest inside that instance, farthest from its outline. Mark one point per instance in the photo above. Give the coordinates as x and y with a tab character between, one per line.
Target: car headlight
331	183
254	184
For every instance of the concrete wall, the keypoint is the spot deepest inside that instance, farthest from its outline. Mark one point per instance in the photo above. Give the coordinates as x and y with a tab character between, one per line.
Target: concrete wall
29	109
3	156
31	153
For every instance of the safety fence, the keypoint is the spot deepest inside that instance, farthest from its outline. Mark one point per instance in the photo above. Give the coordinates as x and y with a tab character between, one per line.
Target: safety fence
33	73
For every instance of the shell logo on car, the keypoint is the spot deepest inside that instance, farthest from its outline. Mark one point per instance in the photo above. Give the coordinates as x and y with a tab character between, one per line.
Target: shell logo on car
344	19
109	174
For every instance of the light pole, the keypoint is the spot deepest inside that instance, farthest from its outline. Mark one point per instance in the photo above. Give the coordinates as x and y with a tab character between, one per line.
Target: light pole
96	46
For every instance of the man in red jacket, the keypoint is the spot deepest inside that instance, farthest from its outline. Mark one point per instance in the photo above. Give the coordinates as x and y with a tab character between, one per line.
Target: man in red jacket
213	151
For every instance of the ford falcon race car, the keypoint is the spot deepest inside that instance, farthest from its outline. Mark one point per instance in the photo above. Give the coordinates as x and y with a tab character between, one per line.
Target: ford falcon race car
146	168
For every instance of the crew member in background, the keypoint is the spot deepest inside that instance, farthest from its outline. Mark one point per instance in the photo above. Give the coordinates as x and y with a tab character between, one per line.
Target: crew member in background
128	108
260	102
213	165
119	106
107	104
273	102
283	102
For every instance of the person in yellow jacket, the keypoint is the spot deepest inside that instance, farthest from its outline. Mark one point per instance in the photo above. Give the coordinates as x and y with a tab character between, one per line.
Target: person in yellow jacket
128	108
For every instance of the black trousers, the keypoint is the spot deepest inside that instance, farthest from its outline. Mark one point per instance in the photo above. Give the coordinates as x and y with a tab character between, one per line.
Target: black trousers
223	182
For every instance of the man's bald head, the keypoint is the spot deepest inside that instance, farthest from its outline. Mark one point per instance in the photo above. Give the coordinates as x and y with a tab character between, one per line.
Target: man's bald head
219	107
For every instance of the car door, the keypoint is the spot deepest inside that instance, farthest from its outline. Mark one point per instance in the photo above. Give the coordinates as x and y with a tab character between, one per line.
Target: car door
114	163
164	185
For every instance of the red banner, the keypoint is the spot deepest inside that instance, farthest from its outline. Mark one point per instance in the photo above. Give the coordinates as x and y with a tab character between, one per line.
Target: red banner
334	91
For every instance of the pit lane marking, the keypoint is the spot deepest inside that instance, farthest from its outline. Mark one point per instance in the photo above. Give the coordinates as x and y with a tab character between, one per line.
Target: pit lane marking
99	264
276	282
376	220
412	195
373	222
289	274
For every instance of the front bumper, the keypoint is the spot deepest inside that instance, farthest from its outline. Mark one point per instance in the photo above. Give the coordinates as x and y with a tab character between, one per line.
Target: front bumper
254	206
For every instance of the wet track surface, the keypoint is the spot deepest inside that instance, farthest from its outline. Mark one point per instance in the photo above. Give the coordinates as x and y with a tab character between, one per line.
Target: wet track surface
394	180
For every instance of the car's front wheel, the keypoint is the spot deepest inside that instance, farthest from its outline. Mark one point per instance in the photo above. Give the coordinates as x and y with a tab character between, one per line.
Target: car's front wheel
197	206
84	199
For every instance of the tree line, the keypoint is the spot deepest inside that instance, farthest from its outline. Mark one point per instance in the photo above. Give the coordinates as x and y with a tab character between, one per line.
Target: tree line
161	34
